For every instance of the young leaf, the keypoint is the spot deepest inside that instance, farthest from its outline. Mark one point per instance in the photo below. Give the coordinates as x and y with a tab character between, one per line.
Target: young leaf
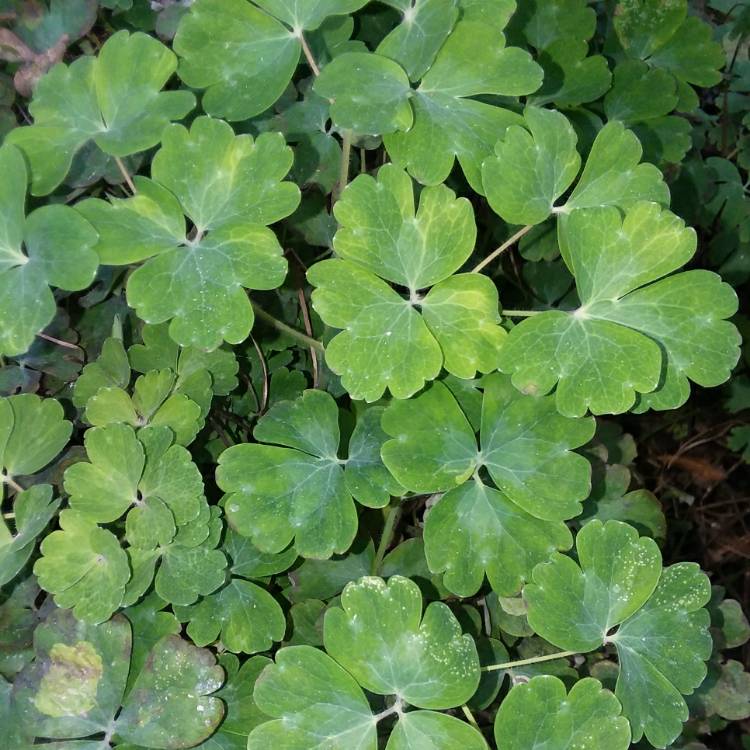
429	729
387	343
540	715
114	100
293	485
52	246
230	187
84	567
382	639
526	447
636	332
662	637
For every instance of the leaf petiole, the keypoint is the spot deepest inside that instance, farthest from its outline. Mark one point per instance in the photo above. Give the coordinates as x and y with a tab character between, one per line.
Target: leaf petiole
284	328
346	152
500	250
391	519
308	54
4	478
521	313
532	660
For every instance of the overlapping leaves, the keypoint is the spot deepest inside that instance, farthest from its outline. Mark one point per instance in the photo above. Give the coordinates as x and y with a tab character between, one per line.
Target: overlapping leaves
426	129
230	187
378	640
52	246
388	341
292	484
618	593
114	100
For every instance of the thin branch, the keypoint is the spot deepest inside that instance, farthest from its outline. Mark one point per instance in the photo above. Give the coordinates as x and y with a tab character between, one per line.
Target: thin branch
309	55
525	662
391	519
59	342
500	250
284	328
346	153
521	313
309	332
124	170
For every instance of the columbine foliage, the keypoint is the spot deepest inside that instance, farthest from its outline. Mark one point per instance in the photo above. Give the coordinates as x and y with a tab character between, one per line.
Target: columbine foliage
309	314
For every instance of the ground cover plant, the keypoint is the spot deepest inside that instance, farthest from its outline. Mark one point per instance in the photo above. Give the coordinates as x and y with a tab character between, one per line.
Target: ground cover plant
371	374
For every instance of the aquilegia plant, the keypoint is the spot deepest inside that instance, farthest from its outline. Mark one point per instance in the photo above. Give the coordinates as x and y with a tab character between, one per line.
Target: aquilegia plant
310	311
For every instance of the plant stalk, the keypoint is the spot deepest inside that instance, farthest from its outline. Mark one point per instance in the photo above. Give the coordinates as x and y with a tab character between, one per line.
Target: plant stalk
126	175
284	328
392	517
500	250
309	55
346	153
532	660
521	313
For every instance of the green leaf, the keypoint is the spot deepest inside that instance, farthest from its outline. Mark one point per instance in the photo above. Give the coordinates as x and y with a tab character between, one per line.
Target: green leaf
662	637
243	57
104	489
243	615
74	688
33	509
32	432
542	715
52	246
526	447
642	28
369	93
726	691
531	170
114	100
640	93
381	638
308	15
635	331
475	529
293	485
429	730
313	702
110	370
425	25
382	238
230	187
84	567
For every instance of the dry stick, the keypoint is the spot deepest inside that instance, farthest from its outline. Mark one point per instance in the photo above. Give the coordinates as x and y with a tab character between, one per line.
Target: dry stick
308	54
309	331
284	328
264	401
532	660
508	243
59	342
126	174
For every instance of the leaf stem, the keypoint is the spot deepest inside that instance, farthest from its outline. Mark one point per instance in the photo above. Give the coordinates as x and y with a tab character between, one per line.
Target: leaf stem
521	313
470	717
309	55
532	660
346	152
391	519
284	328
500	250
11	482
124	170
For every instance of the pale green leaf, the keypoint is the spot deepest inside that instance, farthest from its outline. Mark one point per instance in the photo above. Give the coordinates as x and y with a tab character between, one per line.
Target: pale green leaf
382	639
